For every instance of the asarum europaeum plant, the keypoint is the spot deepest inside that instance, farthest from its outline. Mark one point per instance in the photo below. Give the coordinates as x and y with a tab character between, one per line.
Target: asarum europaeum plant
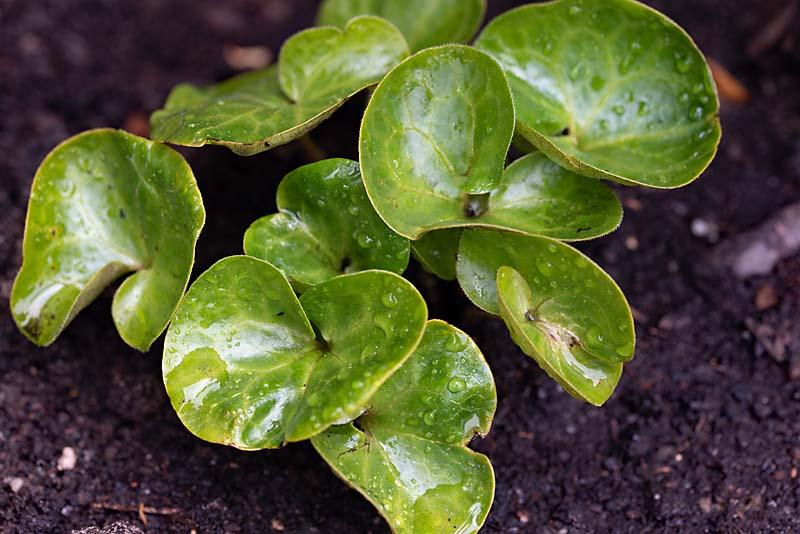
591	89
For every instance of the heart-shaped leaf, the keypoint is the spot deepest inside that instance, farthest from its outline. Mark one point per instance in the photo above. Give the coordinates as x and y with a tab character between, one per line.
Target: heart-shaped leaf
437	250
569	291
243	366
609	89
325	226
554	347
318	70
433	144
105	203
407	454
425	23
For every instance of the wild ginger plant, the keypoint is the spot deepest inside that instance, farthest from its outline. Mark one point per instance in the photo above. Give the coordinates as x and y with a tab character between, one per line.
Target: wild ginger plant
313	333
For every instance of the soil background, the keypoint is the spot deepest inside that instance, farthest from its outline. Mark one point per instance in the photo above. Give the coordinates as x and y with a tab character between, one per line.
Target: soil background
703	434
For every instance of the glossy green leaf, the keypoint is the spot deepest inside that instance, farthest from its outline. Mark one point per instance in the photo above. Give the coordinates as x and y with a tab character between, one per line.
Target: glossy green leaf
609	89
105	203
437	250
318	70
407	454
554	347
425	23
246	364
569	290
325	226
433	145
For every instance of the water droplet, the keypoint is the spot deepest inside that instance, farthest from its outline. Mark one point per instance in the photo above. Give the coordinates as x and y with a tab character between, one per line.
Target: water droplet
389	299
353	210
456	385
429	418
696	113
595	335
626	64
530	316
603	124
597	83
643	109
682	62
545	267
576	72
313	399
618	109
363	239
574	10
66	188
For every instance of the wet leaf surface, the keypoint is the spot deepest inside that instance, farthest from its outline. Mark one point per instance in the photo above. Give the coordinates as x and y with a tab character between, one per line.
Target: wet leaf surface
609	89
554	347
437	250
433	144
105	203
407	455
424	23
317	71
567	288
247	364
325	227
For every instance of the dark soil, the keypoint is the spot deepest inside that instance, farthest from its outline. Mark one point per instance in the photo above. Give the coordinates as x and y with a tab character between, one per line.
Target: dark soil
703	433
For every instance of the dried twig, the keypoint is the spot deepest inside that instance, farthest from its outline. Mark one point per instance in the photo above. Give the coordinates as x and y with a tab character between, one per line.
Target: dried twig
140	509
774	30
730	88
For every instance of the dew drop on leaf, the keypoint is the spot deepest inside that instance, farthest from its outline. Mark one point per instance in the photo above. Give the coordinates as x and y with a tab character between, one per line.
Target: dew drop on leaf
389	299
363	240
429	418
456	385
545	266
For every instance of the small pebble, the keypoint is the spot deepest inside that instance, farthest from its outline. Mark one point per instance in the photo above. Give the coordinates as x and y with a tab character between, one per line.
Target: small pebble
15	483
707	230
766	297
705	504
246	57
67	460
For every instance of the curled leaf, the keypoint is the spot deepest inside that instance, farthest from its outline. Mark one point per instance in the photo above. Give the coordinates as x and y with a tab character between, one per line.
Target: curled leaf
433	144
407	454
569	290
246	364
317	71
424	23
555	348
105	203
325	226
609	89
